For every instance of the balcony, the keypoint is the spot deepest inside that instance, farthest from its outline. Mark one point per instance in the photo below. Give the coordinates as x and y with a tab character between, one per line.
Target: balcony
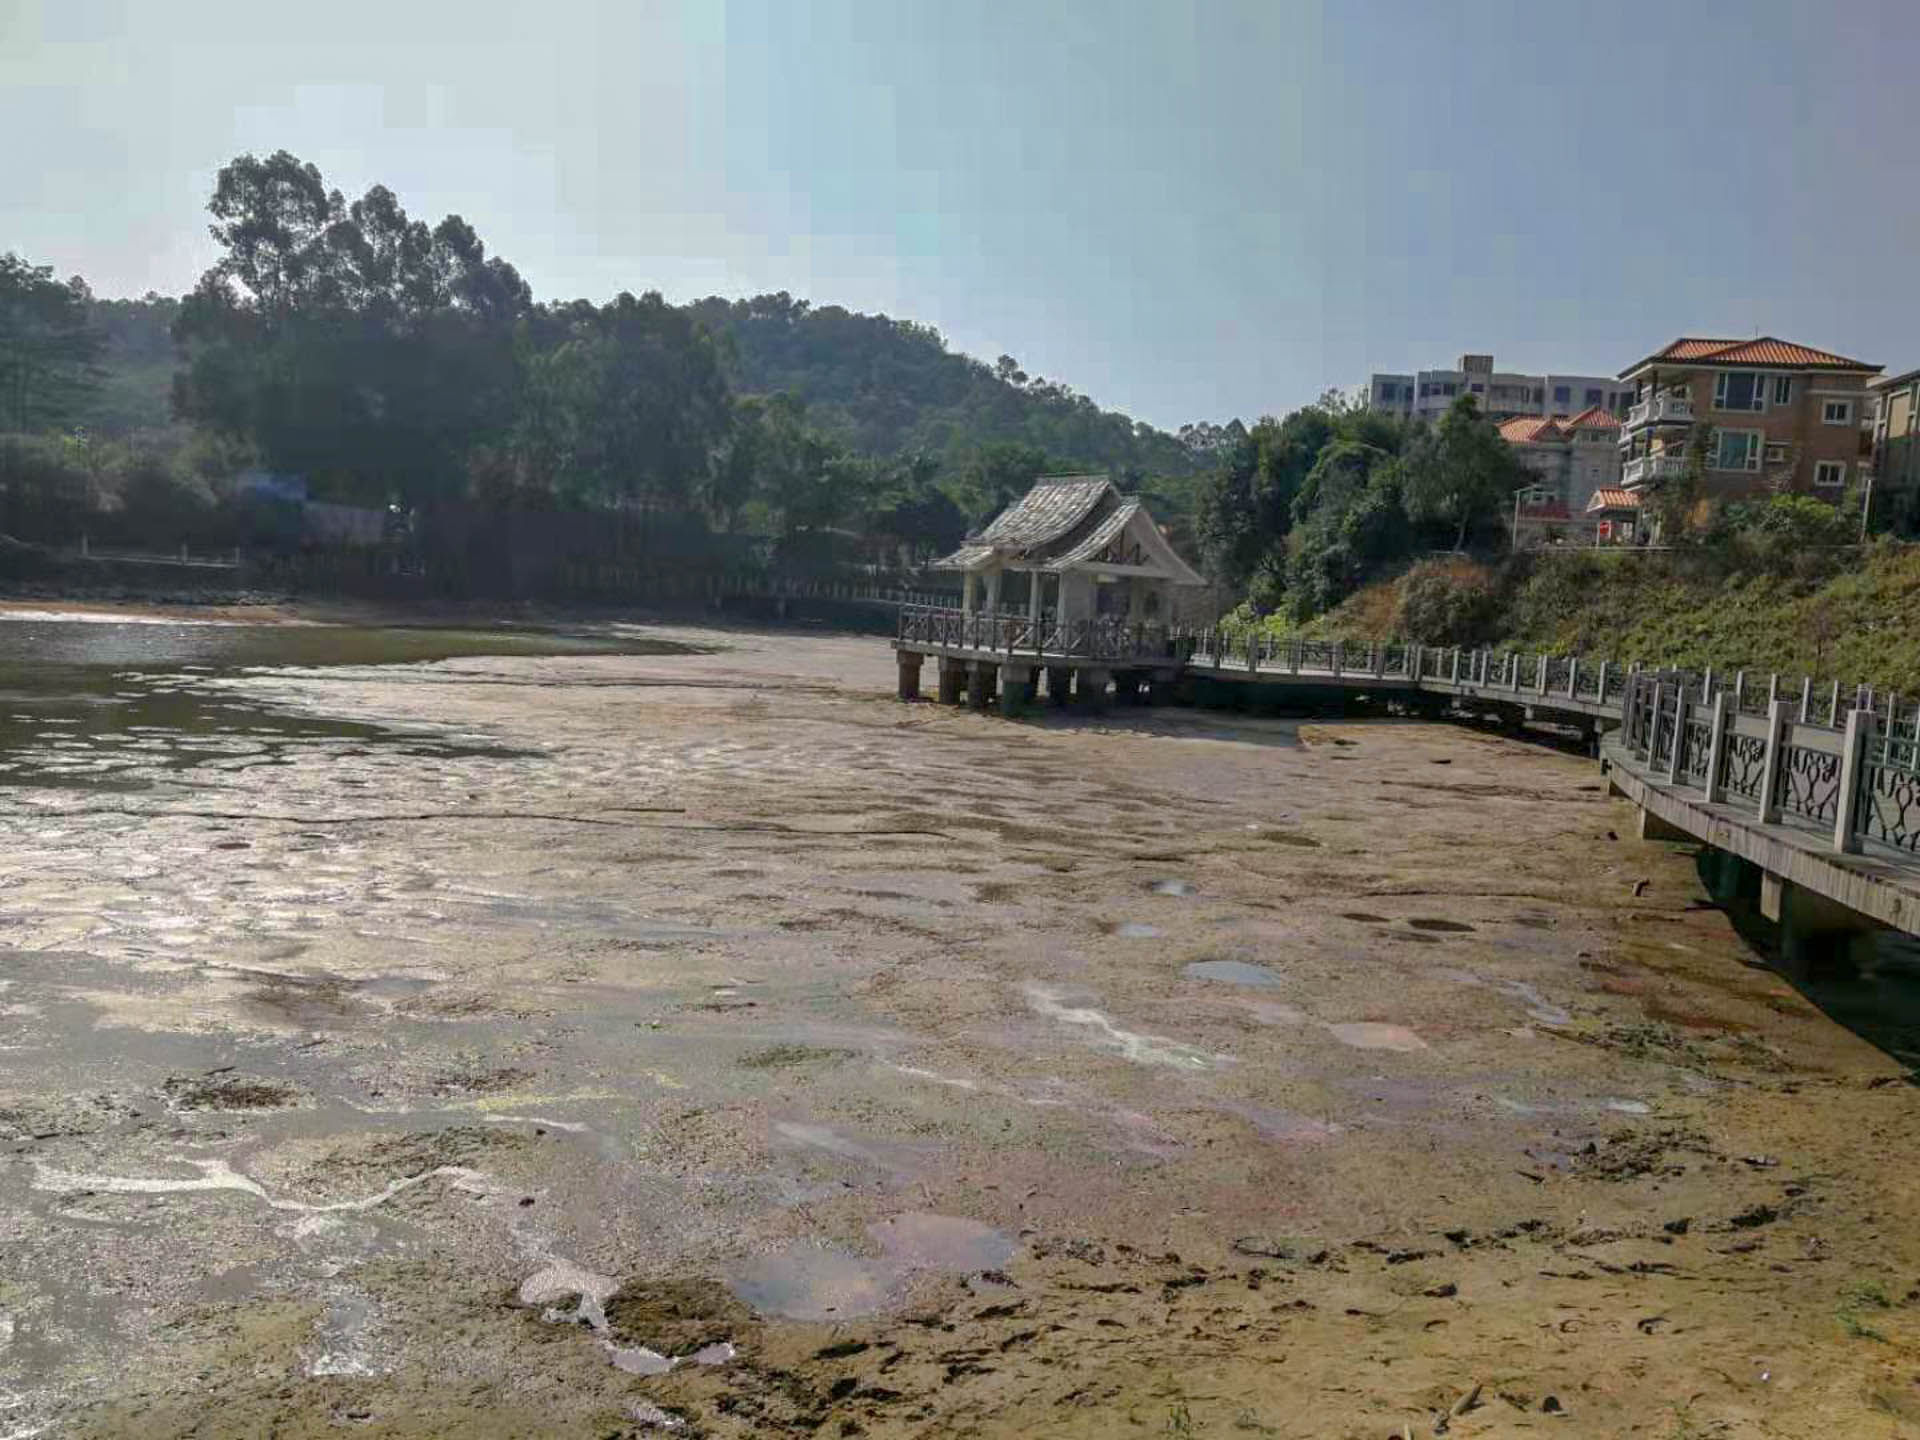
1661	409
1650	469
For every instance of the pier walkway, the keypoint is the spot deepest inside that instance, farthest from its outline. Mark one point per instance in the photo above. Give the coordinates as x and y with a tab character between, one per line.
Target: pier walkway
1807	794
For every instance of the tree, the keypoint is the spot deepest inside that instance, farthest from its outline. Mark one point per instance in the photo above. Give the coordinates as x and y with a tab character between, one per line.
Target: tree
1460	471
48	346
348	342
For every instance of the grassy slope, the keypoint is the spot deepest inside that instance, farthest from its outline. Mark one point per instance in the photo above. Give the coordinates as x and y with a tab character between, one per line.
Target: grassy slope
1860	624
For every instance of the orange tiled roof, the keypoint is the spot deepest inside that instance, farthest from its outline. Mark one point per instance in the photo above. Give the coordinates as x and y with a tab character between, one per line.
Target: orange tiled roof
1607	498
1592	418
1765	350
1529	430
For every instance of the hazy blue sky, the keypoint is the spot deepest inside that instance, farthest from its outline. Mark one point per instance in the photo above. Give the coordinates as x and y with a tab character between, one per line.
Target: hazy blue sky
1184	210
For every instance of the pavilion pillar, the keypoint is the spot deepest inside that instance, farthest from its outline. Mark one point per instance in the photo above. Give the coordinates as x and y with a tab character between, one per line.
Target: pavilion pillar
966	593
1091	688
993	591
980	678
1016	689
1036	582
910	674
953	679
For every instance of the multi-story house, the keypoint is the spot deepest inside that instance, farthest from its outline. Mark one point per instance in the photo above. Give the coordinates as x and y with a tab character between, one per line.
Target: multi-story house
1501	394
1783	417
1896	446
1569	459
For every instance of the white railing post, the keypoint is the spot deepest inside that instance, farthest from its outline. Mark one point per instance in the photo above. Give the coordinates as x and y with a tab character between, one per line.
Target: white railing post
1739	690
1540	676
1603	682
1513	671
1677	762
1716	748
1573	676
1453	672
1773	688
1769	805
1806	697
1336	657
1853	762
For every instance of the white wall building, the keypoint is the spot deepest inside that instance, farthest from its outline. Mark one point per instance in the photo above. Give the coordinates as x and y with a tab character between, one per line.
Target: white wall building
1501	394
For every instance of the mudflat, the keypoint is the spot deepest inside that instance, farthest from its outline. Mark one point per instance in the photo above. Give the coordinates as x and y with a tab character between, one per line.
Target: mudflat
680	1035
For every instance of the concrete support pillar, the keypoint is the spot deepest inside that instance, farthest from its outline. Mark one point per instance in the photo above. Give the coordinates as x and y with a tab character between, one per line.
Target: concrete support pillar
1730	878
1815	932
980	678
1015	689
910	664
1652	827
1059	684
953	680
1091	688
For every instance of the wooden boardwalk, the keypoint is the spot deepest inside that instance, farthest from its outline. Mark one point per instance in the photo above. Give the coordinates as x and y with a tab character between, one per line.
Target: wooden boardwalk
1809	796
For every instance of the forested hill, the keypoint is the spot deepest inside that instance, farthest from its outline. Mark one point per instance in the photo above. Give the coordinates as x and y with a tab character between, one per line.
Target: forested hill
884	387
891	387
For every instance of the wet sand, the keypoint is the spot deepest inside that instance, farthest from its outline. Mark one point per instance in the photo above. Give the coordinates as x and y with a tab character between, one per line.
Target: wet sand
707	1043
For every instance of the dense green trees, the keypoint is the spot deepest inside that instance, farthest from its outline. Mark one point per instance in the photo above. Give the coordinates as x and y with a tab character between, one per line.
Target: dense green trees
1298	513
393	362
48	347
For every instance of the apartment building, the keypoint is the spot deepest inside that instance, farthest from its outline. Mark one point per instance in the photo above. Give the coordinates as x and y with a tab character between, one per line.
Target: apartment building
1570	459
1501	394
1784	417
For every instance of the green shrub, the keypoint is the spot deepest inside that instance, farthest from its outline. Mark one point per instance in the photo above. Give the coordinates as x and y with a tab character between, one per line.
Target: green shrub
1451	601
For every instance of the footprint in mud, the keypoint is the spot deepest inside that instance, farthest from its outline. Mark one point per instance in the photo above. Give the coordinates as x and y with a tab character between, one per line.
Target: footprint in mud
1364	917
1446	927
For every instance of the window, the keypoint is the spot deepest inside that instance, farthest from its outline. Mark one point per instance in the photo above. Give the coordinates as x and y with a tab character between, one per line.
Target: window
1479	389
1782	389
1837	412
1563	394
1593	397
1776	452
1738	450
1829	472
1739	390
1539	395
1448	388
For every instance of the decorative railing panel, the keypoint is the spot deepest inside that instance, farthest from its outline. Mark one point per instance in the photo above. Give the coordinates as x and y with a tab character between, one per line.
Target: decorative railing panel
1890	793
1809	784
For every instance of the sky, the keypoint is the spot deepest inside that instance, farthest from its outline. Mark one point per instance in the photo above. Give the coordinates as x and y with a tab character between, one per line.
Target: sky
1186	211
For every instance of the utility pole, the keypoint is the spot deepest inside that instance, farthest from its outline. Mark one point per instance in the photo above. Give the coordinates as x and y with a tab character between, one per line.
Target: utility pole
1866	505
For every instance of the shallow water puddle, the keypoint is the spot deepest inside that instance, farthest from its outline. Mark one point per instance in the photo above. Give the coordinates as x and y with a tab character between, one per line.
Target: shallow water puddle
1133	930
1372	1035
924	1241
1172	887
810	1282
1234	972
1142	1049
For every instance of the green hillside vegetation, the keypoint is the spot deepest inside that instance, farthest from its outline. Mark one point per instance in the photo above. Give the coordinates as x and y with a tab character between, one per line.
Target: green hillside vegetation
1843	613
